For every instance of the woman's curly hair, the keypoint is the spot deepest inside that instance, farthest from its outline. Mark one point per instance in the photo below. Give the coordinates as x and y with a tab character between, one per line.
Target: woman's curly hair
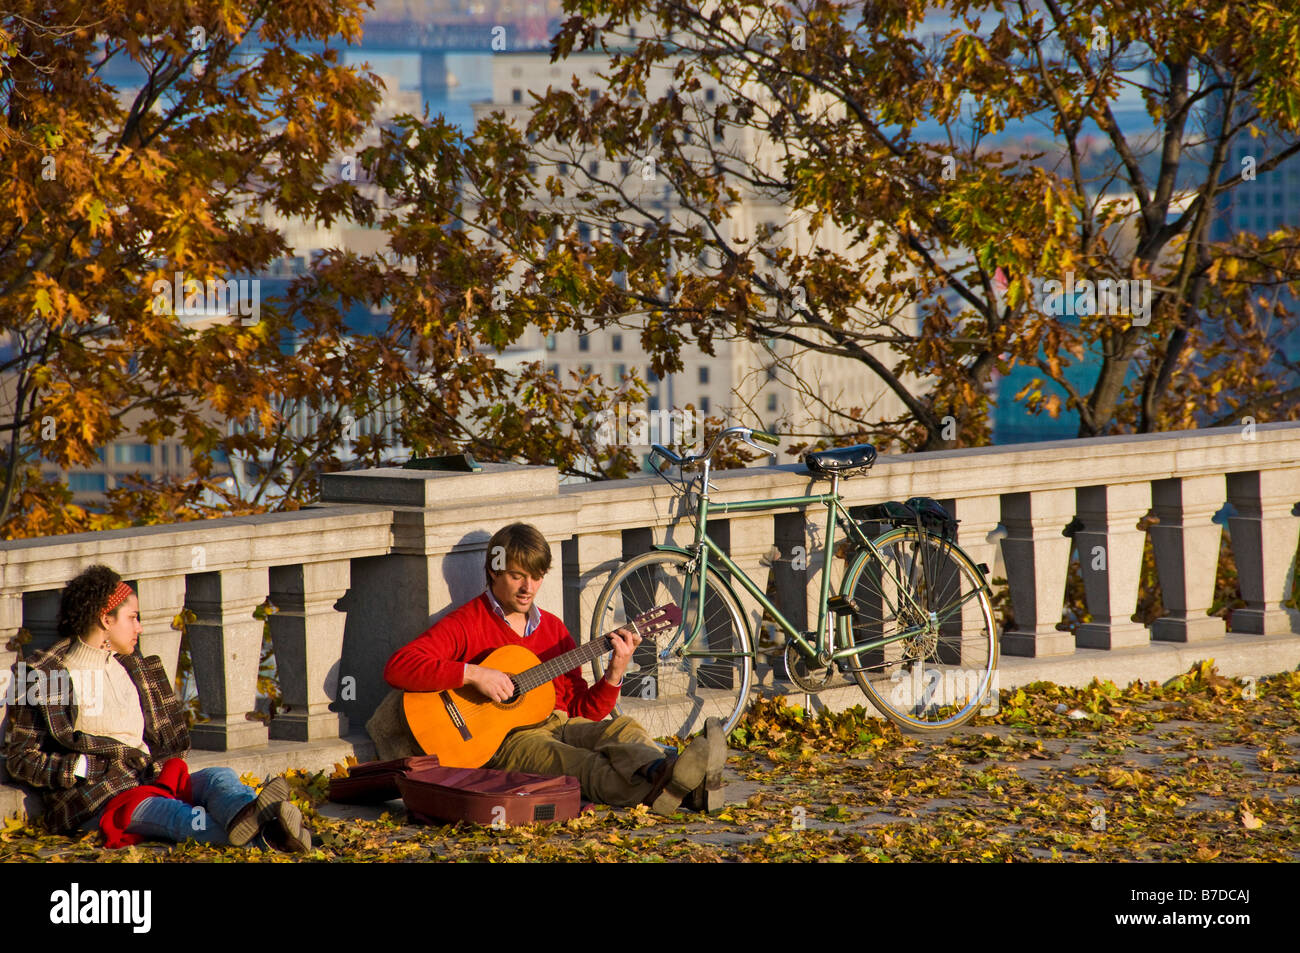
84	600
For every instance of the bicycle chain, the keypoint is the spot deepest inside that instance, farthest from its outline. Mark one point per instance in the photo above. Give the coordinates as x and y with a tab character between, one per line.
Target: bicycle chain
796	669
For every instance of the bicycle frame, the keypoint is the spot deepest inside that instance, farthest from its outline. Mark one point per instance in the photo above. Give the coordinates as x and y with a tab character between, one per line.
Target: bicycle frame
704	546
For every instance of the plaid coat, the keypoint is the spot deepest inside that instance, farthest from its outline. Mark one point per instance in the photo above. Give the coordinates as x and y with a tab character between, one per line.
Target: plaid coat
42	747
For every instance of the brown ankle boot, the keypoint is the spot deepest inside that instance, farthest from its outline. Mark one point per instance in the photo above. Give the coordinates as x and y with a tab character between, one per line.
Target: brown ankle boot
697	768
660	800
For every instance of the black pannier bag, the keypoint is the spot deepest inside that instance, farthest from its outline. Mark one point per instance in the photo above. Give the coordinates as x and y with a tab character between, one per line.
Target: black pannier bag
920	511
932	516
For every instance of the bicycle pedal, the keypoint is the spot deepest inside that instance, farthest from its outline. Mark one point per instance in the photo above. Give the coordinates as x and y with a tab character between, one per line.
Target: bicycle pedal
842	605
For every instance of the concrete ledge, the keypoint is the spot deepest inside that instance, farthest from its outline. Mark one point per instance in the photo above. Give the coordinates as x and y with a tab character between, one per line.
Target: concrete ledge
1234	656
264	761
395	486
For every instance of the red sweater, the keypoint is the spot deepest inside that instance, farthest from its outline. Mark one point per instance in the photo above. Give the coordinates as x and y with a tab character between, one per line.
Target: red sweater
435	661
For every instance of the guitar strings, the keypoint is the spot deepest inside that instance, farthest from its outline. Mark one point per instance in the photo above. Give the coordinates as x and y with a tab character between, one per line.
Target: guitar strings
548	667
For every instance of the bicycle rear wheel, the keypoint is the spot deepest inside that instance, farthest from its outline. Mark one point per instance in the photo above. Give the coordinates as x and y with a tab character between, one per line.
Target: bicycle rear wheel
937	677
671	687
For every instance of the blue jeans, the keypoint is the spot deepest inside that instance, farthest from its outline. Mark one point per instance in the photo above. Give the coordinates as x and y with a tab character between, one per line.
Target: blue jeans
218	796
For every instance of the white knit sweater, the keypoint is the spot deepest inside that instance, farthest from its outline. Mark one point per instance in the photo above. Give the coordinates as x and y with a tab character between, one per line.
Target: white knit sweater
107	701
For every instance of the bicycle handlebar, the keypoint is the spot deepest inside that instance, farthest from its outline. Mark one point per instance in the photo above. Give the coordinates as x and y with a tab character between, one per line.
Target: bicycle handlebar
665	453
745	433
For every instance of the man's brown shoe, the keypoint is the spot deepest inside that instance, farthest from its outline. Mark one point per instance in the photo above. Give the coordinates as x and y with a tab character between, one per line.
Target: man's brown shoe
698	767
660	799
708	795
707	800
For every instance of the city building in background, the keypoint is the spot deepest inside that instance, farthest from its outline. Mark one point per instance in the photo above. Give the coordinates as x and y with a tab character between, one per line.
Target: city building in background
466	58
768	384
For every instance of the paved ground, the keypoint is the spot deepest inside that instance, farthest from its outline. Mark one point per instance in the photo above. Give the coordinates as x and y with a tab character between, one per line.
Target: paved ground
1202	768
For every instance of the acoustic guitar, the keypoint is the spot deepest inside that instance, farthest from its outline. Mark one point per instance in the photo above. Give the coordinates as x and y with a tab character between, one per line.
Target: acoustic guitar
464	728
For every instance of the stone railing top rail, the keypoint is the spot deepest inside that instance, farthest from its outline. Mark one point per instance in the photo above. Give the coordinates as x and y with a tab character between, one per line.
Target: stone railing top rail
374	512
314	534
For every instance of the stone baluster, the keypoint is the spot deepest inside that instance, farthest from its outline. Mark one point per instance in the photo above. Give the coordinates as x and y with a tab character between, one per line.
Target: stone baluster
1186	542
1110	559
161	600
979	519
644	679
794	572
307	635
748	541
1264	545
588	561
41	618
1037	555
225	646
11	620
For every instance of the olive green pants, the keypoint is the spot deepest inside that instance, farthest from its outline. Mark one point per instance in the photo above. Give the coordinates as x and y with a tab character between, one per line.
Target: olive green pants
603	755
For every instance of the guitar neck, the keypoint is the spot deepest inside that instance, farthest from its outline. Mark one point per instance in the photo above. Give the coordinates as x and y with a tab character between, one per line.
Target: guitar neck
540	674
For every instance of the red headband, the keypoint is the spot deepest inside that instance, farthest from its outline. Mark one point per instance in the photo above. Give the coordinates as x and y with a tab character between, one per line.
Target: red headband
118	597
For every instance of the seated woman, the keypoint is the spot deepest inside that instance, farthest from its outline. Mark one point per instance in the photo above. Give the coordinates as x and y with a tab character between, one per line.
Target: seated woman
100	752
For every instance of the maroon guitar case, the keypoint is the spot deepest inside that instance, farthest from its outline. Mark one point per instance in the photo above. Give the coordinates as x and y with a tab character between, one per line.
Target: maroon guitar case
376	781
488	797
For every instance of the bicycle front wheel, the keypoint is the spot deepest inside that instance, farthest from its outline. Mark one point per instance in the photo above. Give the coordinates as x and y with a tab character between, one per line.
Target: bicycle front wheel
673	685
938	675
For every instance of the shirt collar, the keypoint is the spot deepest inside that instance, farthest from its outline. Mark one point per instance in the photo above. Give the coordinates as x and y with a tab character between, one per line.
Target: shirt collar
84	655
534	613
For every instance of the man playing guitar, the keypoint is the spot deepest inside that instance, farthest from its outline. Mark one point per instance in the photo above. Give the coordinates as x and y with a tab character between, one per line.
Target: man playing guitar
615	761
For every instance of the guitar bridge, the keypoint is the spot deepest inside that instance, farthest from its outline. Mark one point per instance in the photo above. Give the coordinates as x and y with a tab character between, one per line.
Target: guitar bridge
454	714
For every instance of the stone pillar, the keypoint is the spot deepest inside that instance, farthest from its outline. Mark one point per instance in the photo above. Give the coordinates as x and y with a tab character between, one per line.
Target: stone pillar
1186	542
1264	545
588	562
794	571
41	618
11	620
1037	555
645	679
1110	559
977	536
225	646
307	635
748	541
979	519
161	600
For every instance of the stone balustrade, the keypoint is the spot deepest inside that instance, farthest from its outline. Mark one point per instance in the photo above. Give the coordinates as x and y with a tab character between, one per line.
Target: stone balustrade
388	551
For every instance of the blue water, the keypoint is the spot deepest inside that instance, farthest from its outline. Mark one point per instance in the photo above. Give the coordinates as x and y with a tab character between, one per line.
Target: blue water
473	70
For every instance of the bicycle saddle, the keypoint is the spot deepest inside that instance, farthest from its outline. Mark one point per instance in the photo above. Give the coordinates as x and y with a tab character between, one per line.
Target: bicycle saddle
840	460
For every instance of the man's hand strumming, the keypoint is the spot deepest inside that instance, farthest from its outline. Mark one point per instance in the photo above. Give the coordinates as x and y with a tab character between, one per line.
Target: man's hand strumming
495	684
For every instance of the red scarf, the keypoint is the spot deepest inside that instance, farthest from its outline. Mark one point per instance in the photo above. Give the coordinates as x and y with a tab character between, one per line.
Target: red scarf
172	782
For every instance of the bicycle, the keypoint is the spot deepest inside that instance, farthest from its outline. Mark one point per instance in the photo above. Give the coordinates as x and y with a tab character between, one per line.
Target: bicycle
912	622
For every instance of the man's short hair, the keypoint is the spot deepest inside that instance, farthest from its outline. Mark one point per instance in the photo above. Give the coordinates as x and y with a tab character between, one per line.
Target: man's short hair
521	544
